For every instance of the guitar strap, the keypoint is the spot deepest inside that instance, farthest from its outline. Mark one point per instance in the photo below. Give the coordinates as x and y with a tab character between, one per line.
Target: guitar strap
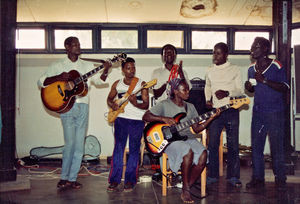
132	85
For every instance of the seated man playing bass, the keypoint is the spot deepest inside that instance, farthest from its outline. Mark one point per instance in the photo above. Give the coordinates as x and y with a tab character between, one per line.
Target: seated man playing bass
189	155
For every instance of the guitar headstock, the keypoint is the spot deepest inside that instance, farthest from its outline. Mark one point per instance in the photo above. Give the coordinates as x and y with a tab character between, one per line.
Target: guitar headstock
237	102
150	83
120	57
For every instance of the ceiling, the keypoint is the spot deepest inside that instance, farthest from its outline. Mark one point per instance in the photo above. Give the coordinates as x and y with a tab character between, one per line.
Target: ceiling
230	12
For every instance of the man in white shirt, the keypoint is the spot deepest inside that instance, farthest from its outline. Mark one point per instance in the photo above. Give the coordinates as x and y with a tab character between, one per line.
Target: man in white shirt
169	71
223	80
75	120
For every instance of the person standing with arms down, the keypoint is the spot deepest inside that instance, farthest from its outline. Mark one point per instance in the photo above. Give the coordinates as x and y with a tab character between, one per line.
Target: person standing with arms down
127	124
167	73
267	79
75	121
190	155
223	80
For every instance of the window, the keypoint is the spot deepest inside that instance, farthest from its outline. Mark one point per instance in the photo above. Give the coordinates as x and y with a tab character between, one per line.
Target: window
206	40
30	39
84	36
119	39
295	37
158	38
244	39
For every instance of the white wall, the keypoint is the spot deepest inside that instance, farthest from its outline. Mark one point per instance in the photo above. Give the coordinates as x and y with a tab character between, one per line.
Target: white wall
35	126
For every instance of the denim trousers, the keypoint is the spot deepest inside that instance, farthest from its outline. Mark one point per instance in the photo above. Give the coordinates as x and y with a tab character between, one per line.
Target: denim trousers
125	128
230	120
272	124
74	124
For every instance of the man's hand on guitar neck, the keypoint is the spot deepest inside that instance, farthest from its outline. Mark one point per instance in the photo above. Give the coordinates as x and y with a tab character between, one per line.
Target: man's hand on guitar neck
107	65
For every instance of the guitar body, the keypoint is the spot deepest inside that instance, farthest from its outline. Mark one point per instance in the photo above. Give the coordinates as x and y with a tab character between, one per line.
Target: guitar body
112	115
59	96
122	102
158	135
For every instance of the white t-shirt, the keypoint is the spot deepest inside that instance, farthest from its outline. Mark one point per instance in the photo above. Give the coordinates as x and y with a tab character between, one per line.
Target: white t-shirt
130	111
66	65
162	75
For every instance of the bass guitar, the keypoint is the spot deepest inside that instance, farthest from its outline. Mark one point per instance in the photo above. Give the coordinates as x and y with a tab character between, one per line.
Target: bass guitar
122	102
60	95
158	135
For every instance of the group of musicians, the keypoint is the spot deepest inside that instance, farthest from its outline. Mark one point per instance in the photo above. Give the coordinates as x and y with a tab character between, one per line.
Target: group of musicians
266	77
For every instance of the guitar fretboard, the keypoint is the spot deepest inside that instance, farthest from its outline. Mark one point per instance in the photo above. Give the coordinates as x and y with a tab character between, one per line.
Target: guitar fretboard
94	71
87	75
200	118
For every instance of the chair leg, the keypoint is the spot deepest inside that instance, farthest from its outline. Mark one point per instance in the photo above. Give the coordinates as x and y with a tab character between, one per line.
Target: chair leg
221	155
164	174
124	162
142	149
203	183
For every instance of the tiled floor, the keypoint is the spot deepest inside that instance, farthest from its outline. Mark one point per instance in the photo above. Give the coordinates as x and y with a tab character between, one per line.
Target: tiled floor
43	189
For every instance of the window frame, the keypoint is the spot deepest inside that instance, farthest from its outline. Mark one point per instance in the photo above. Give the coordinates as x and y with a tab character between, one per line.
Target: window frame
142	36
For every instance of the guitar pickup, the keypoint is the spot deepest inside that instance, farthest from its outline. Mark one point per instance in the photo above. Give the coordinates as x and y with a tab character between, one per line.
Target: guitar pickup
60	91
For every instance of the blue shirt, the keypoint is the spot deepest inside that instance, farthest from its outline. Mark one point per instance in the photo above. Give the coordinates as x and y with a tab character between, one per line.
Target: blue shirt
267	99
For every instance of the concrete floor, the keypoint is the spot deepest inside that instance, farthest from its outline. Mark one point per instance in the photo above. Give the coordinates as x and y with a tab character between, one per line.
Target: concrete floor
43	179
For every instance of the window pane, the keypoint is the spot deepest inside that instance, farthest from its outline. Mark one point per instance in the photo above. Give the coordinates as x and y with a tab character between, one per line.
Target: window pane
119	39
295	37
84	36
244	39
207	39
158	38
30	39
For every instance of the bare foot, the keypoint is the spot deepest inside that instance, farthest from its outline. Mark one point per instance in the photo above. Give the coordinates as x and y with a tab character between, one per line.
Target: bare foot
186	197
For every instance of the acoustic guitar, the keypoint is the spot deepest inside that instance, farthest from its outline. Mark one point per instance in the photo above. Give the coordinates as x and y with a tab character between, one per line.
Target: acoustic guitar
158	135
60	95
122	102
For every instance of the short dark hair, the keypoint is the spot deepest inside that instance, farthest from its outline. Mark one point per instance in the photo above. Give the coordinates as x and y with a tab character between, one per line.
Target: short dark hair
170	46
265	43
69	40
128	59
223	47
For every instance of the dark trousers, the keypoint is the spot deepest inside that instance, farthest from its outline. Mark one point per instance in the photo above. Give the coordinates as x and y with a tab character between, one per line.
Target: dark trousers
273	125
123	129
230	120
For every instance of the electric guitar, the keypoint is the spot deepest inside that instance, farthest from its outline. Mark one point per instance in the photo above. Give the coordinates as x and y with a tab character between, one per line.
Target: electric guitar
158	135
122	102
59	96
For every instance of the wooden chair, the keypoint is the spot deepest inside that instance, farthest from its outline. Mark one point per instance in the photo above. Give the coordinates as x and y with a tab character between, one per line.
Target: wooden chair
166	172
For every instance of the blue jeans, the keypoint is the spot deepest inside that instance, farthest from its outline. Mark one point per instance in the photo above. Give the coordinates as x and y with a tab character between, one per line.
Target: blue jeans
230	119
272	124
74	123
123	129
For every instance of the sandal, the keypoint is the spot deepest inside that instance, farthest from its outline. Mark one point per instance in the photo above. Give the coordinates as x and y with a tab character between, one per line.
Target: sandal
235	182
112	187
74	184
62	183
128	187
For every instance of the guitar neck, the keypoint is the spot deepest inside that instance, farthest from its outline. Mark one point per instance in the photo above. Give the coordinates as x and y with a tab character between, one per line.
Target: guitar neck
200	118
88	75
122	101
